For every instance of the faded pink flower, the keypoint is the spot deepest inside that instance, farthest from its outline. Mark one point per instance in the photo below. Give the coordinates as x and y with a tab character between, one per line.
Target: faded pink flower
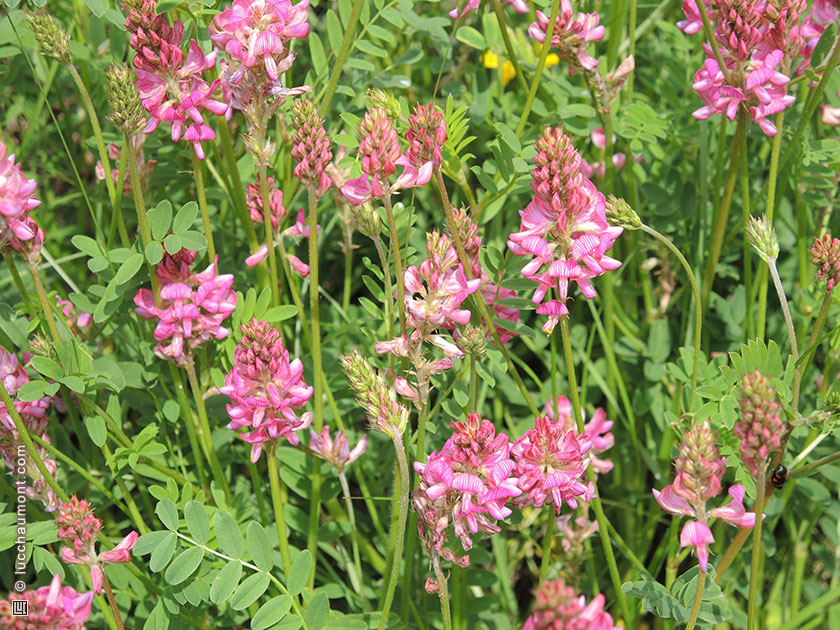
18	231
337	452
193	306
550	465
464	485
78	528
559	607
50	607
572	34
265	389
760	429
700	469
565	227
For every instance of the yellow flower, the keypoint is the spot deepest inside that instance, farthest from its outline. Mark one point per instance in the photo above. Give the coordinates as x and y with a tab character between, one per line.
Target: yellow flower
507	72
491	59
551	60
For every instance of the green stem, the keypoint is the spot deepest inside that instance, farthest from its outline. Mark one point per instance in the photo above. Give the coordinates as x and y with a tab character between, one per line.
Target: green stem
698	599
389	291
485	312
402	462
24	294
443	593
749	324
752	602
603	528
770	209
341	58
354	533
547	540
189	422
205	434
719	228
117	220
822	461
514	58
710	36
277	502
473	385
818	606
318	417
236	182
112	601
395	246
198	171
269	233
698	312
802	369
140	207
780	291
45	302
535	82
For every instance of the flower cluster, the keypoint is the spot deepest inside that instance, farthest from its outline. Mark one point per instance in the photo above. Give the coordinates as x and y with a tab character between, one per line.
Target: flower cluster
434	293
337	452
550	463
18	230
760	428
754	40
50	607
597	430
572	34
78	529
492	293
378	400
311	149
465	485
192	306
32	413
559	607
170	83
564	227
700	470
426	136
265	389
520	6
380	155
826	256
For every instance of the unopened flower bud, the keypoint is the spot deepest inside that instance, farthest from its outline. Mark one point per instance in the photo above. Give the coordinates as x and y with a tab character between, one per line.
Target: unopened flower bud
51	38
312	149
763	238
374	396
386	101
620	214
126	109
366	219
473	341
826	256
761	428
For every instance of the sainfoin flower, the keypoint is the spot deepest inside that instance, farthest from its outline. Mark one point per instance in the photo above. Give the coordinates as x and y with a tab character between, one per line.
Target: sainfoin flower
32	413
265	389
78	529
826	256
336	451
170	84
572	34
559	607
380	155
700	469
597	430
18	230
192	306
550	465
466	486
50	607
564	227
760	429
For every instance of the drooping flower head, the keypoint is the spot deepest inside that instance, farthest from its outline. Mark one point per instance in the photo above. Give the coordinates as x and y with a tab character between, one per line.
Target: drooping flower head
336	451
311	150
760	429
826	256
466	486
380	154
700	469
170	84
550	465
78	529
565	227
50	607
265	389
559	607
18	230
192	306
572	34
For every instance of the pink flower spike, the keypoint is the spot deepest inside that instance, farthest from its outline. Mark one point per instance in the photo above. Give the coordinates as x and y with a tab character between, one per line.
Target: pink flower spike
698	535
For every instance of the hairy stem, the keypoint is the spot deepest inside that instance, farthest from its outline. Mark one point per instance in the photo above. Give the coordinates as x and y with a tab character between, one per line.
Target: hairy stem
277	500
755	561
140	207
198	172
354	534
698	599
395	246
